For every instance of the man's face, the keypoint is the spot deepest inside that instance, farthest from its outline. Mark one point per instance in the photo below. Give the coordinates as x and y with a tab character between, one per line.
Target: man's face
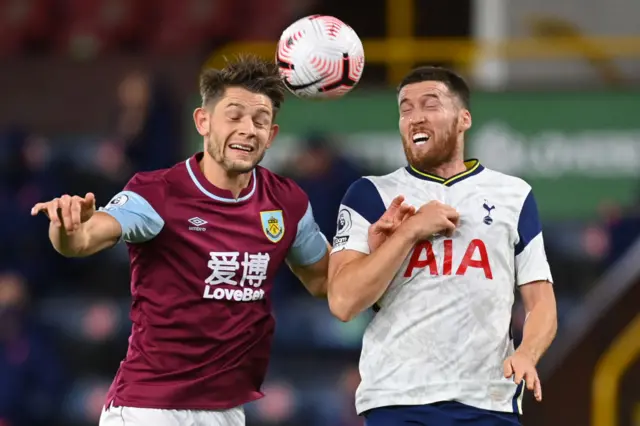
238	129
431	118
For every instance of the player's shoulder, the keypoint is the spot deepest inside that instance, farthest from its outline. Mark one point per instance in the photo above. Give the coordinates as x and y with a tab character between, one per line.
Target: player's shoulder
512	191
152	184
278	184
149	178
394	177
376	187
369	195
143	180
506	181
282	188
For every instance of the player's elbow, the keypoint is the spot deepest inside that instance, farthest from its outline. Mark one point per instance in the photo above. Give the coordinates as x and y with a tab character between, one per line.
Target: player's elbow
341	308
66	245
343	304
340	312
317	289
317	286
68	253
71	252
319	292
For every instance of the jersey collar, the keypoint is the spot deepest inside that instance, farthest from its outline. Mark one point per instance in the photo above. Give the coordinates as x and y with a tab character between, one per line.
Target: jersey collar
473	168
212	191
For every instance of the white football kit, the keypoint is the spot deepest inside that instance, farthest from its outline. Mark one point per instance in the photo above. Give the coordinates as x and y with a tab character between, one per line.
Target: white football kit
442	328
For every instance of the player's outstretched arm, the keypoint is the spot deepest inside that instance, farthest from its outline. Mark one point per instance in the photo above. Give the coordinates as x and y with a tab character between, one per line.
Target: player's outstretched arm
358	280
75	228
78	230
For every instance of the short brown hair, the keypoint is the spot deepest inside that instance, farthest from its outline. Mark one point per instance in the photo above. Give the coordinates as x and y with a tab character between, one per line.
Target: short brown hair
248	72
453	81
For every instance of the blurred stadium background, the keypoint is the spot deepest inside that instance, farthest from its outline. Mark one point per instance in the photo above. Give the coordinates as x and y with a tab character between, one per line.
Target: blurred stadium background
92	91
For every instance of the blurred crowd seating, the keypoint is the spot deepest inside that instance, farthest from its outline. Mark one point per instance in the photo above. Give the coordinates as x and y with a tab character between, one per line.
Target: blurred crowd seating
84	28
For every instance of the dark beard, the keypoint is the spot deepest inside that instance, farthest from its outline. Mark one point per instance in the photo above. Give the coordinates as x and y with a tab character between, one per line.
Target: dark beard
443	153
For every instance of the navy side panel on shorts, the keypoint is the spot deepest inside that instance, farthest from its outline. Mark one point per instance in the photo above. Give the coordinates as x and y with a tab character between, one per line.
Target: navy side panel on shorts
449	413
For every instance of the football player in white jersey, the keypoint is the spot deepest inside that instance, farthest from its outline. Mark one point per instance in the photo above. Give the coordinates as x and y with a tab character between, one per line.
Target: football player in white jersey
439	350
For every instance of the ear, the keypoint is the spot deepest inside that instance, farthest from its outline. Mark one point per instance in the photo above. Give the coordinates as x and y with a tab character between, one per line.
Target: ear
272	135
465	120
201	118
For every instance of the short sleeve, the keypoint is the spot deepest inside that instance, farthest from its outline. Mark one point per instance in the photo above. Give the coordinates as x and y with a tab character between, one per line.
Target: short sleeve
310	245
138	219
531	259
361	206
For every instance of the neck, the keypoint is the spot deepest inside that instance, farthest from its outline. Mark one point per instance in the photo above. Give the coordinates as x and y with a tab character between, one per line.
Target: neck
452	167
234	182
448	169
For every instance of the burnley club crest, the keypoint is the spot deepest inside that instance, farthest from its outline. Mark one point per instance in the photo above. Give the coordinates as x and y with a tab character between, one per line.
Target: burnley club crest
272	225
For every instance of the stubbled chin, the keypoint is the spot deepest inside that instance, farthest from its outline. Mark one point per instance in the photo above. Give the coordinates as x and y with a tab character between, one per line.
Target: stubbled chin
239	166
421	150
239	161
420	155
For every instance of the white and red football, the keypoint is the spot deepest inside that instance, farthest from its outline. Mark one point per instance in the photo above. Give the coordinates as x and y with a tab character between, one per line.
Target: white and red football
320	57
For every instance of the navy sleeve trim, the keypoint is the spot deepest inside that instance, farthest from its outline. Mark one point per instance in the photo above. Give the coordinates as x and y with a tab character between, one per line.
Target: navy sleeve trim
529	225
363	197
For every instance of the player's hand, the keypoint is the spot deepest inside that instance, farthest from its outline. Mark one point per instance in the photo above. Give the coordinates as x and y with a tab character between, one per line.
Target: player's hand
520	366
397	213
67	211
433	218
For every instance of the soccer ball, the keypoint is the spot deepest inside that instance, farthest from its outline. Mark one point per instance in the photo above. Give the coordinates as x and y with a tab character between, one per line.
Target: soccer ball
320	57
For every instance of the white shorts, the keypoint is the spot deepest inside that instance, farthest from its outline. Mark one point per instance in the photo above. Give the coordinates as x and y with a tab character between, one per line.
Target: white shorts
132	416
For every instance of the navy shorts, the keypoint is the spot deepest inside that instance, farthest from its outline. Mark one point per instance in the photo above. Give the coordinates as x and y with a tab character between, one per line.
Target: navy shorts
448	413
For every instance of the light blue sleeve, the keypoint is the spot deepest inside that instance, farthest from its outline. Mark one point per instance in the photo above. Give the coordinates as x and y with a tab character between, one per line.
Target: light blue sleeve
310	244
139	221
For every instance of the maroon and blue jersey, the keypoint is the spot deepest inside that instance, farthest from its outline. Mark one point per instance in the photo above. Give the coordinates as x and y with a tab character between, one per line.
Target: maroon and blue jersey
202	269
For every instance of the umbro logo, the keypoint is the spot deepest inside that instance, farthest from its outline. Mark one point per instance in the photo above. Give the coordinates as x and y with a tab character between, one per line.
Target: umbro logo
197	224
196	221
